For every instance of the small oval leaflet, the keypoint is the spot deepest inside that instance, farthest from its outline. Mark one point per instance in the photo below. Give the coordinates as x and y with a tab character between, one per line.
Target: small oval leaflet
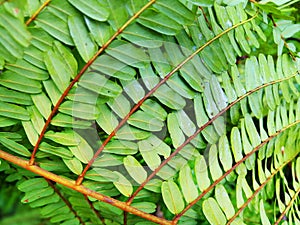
135	169
172	196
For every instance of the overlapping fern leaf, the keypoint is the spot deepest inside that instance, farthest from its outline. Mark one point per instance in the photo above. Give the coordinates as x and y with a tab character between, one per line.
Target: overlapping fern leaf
156	111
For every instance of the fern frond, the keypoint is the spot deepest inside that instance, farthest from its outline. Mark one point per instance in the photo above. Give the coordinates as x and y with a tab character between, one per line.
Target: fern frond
157	108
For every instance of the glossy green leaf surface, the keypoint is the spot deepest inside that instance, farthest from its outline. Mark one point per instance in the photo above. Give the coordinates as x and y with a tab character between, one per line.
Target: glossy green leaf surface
83	42
135	169
213	212
92	9
172	197
149	111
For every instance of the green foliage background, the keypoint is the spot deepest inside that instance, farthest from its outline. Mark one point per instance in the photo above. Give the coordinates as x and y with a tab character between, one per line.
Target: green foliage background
220	134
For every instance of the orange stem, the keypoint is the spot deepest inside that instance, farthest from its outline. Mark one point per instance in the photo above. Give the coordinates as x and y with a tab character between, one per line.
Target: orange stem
75	80
37	12
80	188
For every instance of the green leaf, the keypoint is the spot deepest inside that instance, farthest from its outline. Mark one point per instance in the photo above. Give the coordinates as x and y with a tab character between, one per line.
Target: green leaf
209	102
32	184
43	104
263	215
74	165
220	98
205	3
149	77
52	91
107	120
135	169
213	163
122	184
169	98
176	133
94	9
82	40
210	134
56	68
128	54
101	175
132	133
181	87
12	96
100	84
60	31
113	67
212	212
177	162
41	40
11	135
54	198
187	184
185	123
121	147
31	133
271	8
26	69
175	10
147	122
236	143
224	153
224	201
67	137
120	105
201	172
224	41
80	94
80	110
252	131
36	118
134	90
13	111
15	147
101	32
58	151
10	50
159	22
229	90
20	83
158	145
172	196
68	62
17	28
142	36
108	159
155	109
247	147
148	207
83	151
118	13
188	70
63	120
200	113
150	148
37	194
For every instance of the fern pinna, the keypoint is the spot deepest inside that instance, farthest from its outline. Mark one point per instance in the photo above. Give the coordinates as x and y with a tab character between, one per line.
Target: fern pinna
152	111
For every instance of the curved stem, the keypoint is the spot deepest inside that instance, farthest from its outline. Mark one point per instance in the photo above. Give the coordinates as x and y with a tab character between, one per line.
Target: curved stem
80	188
65	201
164	80
259	189
288	207
99	216
177	217
35	14
198	131
75	80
